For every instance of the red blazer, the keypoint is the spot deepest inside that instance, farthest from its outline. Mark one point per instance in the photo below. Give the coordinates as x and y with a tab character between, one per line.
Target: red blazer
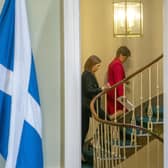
116	73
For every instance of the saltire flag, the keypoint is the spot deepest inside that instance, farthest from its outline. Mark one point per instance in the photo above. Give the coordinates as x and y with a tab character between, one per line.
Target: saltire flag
20	114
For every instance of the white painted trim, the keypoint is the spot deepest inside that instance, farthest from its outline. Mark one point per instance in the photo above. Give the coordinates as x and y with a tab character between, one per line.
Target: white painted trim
165	43
72	151
72	80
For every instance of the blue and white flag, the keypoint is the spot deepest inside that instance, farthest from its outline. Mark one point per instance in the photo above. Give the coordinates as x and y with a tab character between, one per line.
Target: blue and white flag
20	114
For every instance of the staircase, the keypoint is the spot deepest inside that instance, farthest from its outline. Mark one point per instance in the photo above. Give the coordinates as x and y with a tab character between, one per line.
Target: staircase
118	143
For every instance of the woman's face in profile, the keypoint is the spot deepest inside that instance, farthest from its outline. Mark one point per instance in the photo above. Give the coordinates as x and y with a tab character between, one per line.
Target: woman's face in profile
96	67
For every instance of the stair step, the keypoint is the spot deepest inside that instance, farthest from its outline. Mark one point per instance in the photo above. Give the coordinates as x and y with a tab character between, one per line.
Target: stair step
158	122
129	132
143	135
130	149
154	110
111	158
146	119
128	144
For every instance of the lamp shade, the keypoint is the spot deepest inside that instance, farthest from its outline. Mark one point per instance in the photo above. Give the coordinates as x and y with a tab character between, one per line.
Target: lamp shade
128	18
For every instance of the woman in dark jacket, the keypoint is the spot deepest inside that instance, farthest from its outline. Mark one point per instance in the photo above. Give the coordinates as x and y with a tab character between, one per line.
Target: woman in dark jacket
90	88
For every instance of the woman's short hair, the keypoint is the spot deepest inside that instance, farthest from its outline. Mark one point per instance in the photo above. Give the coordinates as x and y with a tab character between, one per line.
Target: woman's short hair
123	50
90	62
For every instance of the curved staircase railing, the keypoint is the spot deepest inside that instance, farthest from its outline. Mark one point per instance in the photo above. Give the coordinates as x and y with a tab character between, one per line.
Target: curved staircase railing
133	130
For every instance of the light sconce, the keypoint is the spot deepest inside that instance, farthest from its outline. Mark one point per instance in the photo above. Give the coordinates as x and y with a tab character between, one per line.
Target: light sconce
128	18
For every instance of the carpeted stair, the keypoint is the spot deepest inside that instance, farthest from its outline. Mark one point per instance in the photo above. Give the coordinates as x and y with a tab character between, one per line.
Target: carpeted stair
141	138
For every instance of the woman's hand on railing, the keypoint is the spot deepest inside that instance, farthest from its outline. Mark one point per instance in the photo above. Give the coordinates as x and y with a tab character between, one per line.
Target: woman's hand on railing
106	86
127	83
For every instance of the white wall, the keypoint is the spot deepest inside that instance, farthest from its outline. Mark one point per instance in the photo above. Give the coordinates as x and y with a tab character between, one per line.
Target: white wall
45	27
150	156
97	36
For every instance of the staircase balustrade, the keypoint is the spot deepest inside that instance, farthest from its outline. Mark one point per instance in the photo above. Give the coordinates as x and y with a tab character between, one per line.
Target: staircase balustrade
128	131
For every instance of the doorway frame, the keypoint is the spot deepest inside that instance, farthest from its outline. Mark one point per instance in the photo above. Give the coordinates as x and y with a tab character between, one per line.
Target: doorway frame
72	83
165	79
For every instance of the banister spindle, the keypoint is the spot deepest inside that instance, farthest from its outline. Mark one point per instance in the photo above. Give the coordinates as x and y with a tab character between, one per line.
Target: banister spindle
115	128
106	140
97	107
107	134
141	101
102	146
115	145
133	121
105	104
111	145
119	149
108	145
150	112
105	144
157	89
115	104
94	141
124	129
98	144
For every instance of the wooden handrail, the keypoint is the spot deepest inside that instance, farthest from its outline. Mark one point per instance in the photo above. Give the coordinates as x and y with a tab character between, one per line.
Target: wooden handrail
114	86
128	78
127	125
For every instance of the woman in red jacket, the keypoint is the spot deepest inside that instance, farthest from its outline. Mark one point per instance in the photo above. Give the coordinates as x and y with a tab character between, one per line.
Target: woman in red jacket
116	73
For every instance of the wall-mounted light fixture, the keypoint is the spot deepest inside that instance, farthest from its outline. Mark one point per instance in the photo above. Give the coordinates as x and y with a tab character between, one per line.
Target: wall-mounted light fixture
128	18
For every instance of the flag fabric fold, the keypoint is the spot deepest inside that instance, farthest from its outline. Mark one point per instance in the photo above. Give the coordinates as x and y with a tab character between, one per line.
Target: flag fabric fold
20	114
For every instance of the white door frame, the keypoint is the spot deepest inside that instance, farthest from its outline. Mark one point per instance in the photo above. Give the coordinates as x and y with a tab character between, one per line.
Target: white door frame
72	77
165	61
72	80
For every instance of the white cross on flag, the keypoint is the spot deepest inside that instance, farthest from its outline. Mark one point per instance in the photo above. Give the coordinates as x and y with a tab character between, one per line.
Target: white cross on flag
20	114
